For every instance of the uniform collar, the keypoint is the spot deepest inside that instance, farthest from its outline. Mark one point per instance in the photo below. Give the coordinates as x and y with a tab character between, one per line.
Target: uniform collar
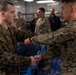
73	22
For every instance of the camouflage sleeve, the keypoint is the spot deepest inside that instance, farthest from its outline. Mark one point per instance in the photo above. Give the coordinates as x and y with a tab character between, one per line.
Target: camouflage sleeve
22	34
8	57
57	37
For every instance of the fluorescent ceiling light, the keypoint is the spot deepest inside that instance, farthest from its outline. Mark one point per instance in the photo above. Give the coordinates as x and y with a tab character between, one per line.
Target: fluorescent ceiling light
50	1
28	0
56	3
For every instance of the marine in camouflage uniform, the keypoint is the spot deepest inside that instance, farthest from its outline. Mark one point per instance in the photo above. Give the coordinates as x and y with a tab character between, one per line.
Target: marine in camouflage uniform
20	22
9	59
65	39
42	26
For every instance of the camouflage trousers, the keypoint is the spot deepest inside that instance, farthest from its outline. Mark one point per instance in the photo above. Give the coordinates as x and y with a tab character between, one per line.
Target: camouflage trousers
9	73
71	71
4	73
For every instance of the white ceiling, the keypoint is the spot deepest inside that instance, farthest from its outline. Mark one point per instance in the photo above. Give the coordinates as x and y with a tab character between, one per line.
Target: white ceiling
23	0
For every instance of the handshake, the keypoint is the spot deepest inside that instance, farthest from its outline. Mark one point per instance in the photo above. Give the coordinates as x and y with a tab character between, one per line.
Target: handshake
35	59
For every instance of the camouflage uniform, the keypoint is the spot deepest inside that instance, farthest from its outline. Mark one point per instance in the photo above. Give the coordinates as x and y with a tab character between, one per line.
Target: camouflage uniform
65	38
42	26
9	59
20	22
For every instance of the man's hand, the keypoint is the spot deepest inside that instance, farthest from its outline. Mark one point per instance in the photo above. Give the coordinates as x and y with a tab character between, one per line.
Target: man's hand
26	41
38	57
35	59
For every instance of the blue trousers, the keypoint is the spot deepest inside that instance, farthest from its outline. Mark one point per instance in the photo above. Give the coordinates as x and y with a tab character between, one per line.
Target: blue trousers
27	50
55	69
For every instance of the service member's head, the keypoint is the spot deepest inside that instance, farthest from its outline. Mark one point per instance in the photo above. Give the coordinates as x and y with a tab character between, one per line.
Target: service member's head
19	14
68	10
7	12
52	11
41	12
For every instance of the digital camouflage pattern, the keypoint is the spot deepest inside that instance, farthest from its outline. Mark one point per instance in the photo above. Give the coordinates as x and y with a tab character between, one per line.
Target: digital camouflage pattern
42	26
20	22
65	39
9	59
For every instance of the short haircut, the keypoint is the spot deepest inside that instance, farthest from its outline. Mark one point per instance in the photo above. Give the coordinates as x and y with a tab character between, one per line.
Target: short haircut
68	1
3	5
42	9
19	12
